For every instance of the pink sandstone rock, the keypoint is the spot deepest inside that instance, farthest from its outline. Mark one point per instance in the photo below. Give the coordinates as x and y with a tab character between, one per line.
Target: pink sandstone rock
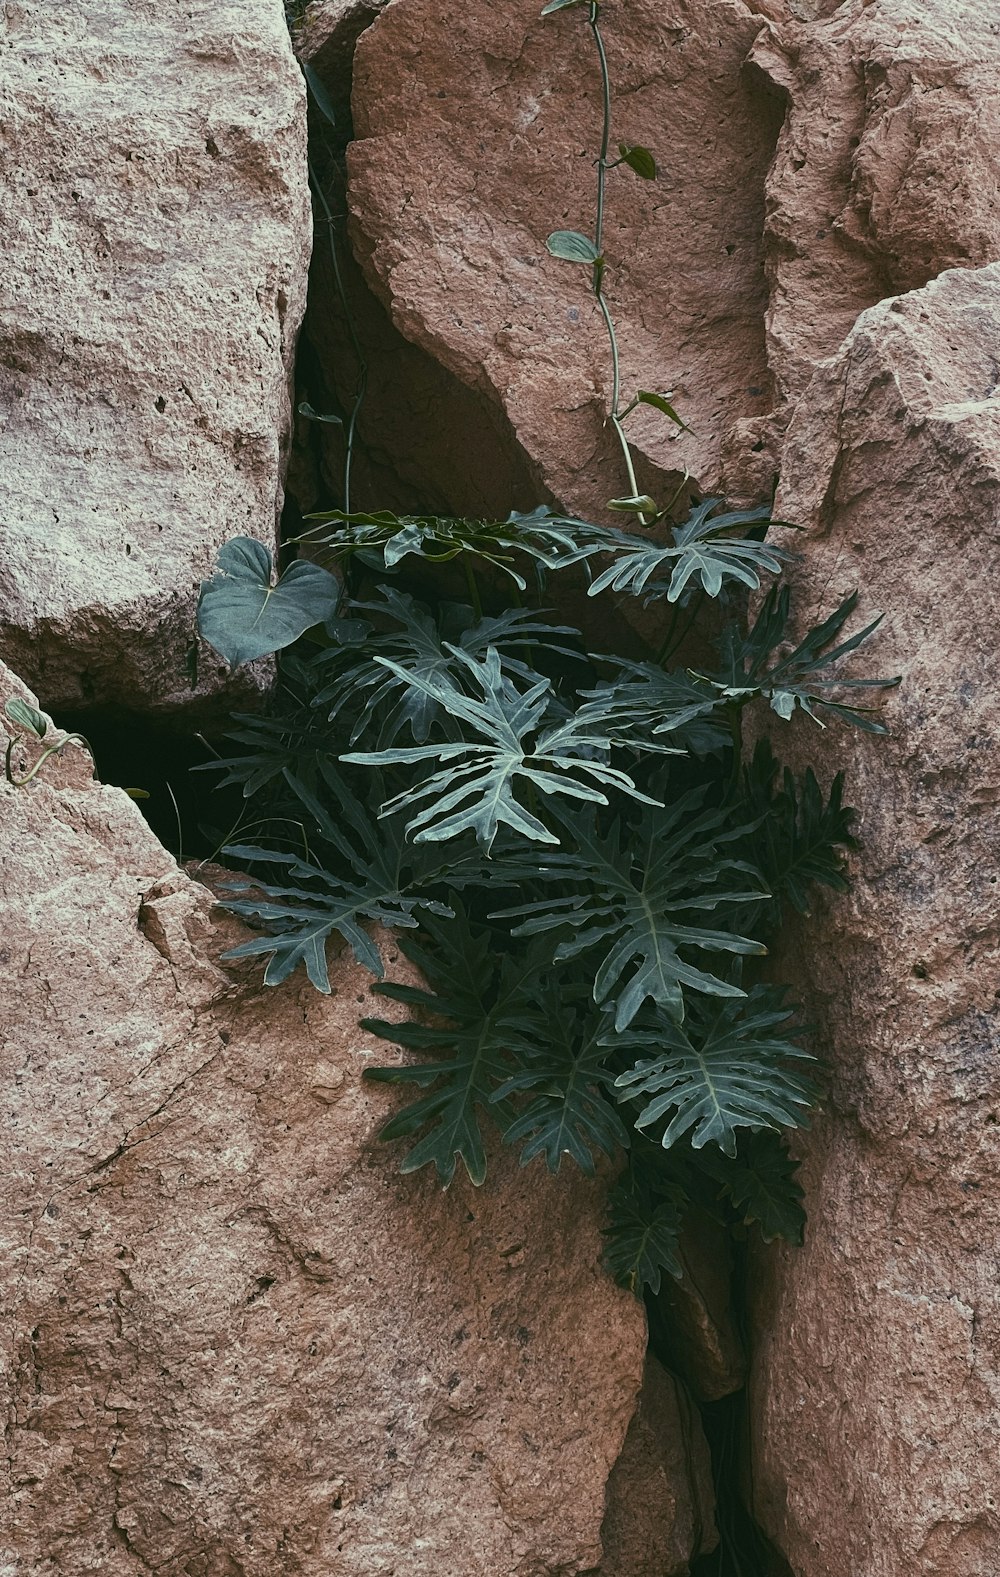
876	1388
885	171
475	138
238	1341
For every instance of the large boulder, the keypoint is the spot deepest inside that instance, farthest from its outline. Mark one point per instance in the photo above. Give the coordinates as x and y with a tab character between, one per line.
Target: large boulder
240	1341
475	137
876	1397
885	171
156	235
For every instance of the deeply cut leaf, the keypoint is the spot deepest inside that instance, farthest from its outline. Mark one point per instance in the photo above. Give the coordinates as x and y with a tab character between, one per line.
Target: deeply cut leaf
633	900
724	1069
643	1236
481	1007
513	751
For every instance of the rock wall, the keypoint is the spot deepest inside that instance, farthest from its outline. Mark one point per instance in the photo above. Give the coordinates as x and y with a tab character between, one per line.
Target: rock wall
485	143
812	275
237	1341
877	1397
156	232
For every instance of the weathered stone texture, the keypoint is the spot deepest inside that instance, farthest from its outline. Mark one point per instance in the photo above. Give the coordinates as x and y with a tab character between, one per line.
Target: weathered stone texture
876	1389
238	1341
886	169
485	144
696	1318
156	235
661	1504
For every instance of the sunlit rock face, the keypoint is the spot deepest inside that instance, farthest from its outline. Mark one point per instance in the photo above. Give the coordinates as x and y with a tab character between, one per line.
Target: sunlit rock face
156	231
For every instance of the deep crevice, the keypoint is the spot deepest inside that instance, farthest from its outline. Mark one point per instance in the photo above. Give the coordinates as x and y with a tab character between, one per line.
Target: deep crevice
183	807
425	441
744	1549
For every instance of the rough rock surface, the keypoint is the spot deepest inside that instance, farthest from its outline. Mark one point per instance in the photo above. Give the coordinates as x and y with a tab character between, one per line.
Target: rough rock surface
237	1340
885	171
485	144
695	1318
156	233
876	1397
423	441
474	141
661	1504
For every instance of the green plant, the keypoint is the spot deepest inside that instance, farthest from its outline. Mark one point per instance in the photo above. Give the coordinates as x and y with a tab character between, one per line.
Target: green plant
570	842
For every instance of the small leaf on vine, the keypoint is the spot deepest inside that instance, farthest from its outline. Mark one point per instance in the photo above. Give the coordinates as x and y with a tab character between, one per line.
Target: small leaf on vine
660	402
311	415
637	504
558	5
572	247
28	716
638	159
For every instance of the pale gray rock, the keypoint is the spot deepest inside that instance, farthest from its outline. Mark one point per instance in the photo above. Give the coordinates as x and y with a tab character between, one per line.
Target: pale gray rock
156	233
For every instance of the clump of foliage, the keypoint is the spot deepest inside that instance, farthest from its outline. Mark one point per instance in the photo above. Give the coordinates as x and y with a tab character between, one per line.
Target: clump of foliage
575	853
570	842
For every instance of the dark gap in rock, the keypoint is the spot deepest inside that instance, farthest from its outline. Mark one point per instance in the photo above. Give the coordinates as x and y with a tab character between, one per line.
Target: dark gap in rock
184	808
744	1550
425	443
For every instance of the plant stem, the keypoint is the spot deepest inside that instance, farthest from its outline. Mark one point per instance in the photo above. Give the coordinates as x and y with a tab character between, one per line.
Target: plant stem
598	284
602	158
736	734
470	581
50	750
671	645
361	386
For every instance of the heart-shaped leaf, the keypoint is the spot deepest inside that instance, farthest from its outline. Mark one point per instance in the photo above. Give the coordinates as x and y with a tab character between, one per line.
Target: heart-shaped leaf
572	247
244	616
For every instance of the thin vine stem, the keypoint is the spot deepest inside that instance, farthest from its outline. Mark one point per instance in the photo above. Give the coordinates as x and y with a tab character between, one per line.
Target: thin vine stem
50	750
473	586
614	414
361	386
672	642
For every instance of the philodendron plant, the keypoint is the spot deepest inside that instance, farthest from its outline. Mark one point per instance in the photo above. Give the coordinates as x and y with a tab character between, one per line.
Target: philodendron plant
571	842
